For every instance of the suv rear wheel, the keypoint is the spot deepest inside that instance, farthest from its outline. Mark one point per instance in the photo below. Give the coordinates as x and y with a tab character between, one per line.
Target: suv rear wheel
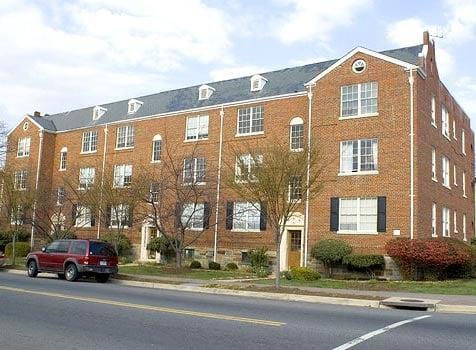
71	272
32	268
102	277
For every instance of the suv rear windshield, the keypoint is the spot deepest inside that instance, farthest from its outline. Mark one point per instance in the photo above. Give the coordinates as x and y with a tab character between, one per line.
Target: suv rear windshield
100	248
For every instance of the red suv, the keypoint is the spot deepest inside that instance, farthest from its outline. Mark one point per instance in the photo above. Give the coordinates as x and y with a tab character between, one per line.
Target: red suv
72	258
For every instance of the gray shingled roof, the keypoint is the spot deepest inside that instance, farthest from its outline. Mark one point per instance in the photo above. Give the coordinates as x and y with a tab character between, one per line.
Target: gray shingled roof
280	82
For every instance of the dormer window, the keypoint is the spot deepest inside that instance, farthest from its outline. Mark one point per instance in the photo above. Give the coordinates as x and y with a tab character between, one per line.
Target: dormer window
257	82
204	92
133	106
98	112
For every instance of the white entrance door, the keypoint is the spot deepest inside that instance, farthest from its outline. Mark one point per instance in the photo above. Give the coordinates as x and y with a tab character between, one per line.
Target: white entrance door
147	233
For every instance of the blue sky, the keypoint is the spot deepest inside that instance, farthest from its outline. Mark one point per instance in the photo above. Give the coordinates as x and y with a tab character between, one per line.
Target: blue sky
61	55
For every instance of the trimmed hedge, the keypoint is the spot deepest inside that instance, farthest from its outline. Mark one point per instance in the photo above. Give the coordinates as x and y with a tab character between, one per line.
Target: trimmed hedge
362	261
431	258
214	265
330	251
231	266
21	249
304	274
195	264
124	246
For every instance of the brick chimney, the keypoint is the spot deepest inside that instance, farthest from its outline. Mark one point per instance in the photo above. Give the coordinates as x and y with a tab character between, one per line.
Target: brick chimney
37	114
426	38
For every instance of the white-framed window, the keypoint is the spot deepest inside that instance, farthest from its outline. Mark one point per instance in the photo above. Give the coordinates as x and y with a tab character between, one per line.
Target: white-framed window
86	177
250	120
98	112
23	149
445	121
433	164
463	183
246	216
125	137
63	158
359	99
455	181
156	148
445	222
204	92
60	195
455	221
358	156
193	215
154	192
445	171
295	189
20	180
433	220
358	215
296	134
245	167
197	127
194	170
122	175
83	216
90	141
454	129
120	215
433	111
257	82
465	238
133	106
463	142
16	215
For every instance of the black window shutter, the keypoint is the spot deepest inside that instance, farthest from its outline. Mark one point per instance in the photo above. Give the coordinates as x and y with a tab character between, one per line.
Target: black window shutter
229	215
263	216
178	215
130	217
334	214
93	219
381	214
74	213
206	215
108	216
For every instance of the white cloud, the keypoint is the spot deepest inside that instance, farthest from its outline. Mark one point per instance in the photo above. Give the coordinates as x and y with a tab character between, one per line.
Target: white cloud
316	19
68	54
465	92
236	72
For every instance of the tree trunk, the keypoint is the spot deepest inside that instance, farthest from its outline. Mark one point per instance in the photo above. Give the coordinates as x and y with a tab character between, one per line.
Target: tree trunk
178	259
277	281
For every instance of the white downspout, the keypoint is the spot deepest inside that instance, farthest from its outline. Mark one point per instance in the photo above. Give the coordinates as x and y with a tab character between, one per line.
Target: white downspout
306	222
411	80
32	238
102	177
215	238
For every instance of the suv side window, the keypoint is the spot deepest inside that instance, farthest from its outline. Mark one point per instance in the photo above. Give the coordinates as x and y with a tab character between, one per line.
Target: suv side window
53	247
63	247
78	248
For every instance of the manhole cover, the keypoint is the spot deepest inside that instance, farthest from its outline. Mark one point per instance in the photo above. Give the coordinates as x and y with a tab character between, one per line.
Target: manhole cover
412	300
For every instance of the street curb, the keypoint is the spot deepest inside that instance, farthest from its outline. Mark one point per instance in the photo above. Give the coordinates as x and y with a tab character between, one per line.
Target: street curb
443	308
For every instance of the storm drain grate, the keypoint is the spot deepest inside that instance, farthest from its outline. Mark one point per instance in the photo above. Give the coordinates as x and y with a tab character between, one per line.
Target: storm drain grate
410	304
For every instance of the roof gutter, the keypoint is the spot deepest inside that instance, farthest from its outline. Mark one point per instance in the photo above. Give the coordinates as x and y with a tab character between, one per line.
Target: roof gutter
220	150
38	164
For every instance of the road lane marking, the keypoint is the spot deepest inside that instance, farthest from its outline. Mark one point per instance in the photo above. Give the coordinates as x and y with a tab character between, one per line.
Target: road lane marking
149	307
367	336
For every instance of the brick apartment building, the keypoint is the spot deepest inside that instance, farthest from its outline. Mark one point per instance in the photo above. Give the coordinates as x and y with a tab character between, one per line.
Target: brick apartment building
403	150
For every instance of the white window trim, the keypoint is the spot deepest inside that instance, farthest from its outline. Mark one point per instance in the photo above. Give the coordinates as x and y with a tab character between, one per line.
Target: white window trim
122	175
463	142
454	130
249	166
199	207
127	127
89	184
194	172
455	221
154	139
196	139
357	232
261	82
251	133
136	105
98	112
359	103
62	165
433	112
445	117
433	220
455	176
465	237
90	143
443	172
433	165
23	179
113	214
26	147
87	223
295	121
209	92
463	184
251	206
443	211
356	173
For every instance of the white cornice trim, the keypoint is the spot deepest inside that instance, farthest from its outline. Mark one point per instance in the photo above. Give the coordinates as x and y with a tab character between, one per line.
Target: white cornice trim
365	51
31	120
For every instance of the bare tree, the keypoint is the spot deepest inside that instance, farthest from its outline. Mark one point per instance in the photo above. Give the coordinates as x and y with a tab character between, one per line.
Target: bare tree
278	179
16	203
3	142
178	197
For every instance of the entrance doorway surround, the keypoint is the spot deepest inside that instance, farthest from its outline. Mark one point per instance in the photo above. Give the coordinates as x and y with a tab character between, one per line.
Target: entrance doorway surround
148	231
292	228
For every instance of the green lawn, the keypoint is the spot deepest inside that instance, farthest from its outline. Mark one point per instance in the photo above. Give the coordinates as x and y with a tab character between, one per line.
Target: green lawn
19	264
457	287
202	274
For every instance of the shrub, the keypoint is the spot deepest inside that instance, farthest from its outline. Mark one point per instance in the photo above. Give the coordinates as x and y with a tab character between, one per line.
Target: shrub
330	252
21	249
262	271
124	246
442	258
362	261
473	241
286	275
7	237
304	274
473	261
231	266
214	265
195	264
259	258
125	260
162	245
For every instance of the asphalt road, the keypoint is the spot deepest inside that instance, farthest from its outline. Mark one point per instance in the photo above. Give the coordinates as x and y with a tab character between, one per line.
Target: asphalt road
45	313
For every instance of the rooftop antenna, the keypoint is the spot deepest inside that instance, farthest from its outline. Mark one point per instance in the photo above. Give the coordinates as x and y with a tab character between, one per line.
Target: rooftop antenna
440	33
